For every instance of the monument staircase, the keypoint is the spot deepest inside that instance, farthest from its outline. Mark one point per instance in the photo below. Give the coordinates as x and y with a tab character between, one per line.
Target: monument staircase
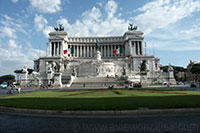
66	77
97	82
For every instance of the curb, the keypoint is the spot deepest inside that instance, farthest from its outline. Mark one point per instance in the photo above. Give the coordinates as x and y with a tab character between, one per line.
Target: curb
101	113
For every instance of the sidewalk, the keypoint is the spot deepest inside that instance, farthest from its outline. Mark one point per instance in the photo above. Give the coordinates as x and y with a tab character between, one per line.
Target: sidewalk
102	113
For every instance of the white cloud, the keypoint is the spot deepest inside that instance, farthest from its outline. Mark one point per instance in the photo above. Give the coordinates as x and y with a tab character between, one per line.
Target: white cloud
7	32
92	15
47	30
193	32
111	8
94	23
46	6
14	1
41	24
12	57
160	13
10	27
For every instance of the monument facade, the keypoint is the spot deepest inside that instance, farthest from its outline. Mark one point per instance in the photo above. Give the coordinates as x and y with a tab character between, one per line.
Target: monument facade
70	58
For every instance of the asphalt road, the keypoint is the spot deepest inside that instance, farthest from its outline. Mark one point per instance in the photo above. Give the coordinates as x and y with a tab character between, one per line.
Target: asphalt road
3	92
10	123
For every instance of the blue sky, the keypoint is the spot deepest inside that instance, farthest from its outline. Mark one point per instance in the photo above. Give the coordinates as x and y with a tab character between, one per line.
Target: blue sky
172	27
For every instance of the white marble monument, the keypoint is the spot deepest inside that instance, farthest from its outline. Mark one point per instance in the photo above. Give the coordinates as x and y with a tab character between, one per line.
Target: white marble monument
112	56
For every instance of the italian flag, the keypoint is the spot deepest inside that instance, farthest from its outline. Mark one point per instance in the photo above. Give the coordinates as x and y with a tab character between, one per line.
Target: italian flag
69	51
117	51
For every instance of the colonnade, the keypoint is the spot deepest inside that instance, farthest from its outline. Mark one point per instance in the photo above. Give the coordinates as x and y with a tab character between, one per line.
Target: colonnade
55	49
87	51
137	48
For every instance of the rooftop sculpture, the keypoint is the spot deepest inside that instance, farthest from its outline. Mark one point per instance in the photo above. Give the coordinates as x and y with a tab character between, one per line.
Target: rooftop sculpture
60	28
131	27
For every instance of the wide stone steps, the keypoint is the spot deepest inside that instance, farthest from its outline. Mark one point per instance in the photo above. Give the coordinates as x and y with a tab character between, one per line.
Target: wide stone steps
96	82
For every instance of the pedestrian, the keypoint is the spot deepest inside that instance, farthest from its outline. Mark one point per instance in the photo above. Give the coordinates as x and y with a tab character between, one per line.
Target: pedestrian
18	90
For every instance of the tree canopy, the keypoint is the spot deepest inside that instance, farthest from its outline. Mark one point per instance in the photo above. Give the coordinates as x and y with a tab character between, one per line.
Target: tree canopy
164	68
20	71
195	68
177	69
7	78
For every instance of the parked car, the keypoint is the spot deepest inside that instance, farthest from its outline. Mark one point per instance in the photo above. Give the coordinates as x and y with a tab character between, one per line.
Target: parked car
4	85
137	85
180	83
193	85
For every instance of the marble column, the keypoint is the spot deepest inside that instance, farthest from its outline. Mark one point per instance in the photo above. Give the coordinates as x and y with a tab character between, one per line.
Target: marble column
135	43
142	48
59	44
111	50
88	52
84	51
50	49
54	54
105	50
81	54
74	50
77	48
108	50
94	51
91	55
85	55
138	48
56	48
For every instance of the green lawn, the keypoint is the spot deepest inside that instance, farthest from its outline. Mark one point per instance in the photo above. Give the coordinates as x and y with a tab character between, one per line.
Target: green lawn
103	100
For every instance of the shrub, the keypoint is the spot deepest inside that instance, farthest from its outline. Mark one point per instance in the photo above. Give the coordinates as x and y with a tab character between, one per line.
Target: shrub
119	92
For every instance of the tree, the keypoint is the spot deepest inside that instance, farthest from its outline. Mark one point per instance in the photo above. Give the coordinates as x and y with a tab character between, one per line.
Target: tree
164	68
177	69
7	78
196	70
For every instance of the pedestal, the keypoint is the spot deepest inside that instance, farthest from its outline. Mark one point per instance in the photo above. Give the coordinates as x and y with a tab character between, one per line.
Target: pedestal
57	79
171	78
24	78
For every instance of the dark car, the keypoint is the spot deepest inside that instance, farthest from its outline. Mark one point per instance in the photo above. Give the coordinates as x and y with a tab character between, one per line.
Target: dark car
137	85
193	85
